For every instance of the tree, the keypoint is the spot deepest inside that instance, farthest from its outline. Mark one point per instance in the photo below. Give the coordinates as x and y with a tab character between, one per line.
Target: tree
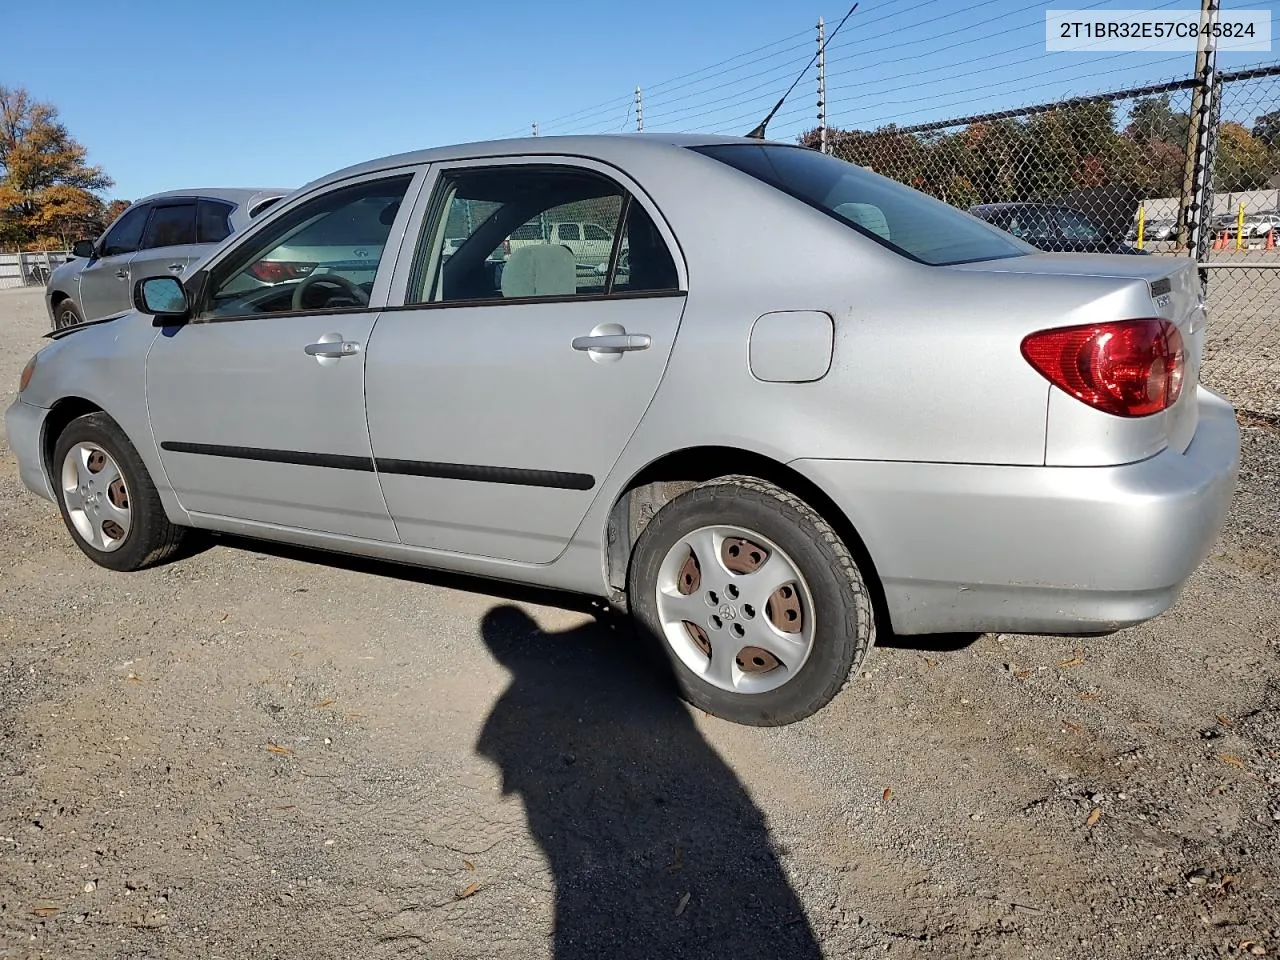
47	190
113	210
1152	118
1242	161
1267	128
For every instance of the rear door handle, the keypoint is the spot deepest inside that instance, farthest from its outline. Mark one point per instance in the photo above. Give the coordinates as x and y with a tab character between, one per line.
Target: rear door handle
334	350
177	267
122	274
614	342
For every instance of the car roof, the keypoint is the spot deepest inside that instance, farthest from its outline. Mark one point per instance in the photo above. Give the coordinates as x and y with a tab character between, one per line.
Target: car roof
236	195
614	147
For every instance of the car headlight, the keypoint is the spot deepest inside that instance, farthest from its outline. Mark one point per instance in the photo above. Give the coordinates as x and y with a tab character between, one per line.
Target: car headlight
27	372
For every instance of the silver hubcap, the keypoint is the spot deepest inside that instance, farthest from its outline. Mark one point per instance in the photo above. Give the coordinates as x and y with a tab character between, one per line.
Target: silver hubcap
96	496
735	609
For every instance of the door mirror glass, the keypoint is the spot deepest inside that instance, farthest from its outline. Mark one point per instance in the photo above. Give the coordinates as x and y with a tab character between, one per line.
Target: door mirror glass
161	297
82	249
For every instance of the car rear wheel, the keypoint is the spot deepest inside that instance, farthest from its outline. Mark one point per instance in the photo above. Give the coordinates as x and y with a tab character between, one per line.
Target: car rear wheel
756	601
66	314
107	499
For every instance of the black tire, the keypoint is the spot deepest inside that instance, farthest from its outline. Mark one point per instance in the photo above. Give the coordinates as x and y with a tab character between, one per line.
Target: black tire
66	314
151	538
845	625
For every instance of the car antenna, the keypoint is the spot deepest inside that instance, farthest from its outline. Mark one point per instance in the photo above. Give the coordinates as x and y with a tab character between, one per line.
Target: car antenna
758	132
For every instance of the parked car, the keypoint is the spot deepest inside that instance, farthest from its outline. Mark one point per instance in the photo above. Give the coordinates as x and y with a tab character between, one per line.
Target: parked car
161	233
1052	227
590	243
816	401
1154	231
1258	225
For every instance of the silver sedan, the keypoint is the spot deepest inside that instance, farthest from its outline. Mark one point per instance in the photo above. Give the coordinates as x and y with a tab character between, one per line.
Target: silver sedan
814	404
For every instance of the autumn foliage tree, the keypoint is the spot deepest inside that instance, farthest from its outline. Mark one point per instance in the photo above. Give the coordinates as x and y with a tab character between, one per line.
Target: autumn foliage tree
48	192
1078	150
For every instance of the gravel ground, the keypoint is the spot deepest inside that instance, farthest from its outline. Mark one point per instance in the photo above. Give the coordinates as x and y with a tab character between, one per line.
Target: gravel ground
257	752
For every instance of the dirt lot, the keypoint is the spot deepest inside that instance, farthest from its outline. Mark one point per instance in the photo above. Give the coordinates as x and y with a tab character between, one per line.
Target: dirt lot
256	753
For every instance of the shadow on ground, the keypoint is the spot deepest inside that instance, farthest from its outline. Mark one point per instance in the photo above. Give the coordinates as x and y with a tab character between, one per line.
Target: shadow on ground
656	848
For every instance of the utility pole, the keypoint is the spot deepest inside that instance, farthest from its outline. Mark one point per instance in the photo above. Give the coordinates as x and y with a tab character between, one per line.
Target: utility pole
639	111
535	128
1197	176
822	87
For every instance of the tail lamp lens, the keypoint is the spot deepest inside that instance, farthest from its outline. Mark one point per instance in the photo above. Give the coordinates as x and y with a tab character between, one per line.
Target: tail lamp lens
1129	368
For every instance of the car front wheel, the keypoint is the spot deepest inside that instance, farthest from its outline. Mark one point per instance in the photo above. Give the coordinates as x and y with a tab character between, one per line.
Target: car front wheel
757	602
107	499
66	314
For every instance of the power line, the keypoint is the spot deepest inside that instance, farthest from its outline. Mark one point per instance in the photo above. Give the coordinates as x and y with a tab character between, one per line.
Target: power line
1039	86
685	113
664	83
958	43
863	88
660	101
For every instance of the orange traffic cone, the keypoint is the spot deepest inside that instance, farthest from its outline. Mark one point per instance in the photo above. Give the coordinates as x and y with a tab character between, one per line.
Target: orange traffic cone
1271	239
1221	242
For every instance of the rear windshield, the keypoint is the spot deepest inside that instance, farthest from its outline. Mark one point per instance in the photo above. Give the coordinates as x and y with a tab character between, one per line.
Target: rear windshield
908	221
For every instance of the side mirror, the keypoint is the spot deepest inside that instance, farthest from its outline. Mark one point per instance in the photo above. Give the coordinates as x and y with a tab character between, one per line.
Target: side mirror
83	249
162	297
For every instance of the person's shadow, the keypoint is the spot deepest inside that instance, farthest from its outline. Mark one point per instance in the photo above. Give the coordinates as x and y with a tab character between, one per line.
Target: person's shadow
656	849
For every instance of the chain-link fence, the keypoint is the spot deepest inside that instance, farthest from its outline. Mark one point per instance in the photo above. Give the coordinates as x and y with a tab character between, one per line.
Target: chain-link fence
28	269
1116	173
1242	260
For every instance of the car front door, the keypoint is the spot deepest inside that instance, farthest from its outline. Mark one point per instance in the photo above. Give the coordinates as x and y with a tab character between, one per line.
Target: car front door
169	242
104	281
257	403
499	403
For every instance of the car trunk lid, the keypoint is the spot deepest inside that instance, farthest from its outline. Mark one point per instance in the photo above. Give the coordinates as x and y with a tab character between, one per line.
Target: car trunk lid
1173	286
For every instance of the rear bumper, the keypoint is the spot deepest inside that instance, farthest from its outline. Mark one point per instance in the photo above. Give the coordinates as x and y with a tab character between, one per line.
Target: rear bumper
24	425
1059	550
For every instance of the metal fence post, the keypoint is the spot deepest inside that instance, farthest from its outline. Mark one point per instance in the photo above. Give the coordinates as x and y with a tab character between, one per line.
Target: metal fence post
822	86
1196	199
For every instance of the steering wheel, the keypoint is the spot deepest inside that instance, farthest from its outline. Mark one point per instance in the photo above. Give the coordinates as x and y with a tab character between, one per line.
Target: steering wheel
335	278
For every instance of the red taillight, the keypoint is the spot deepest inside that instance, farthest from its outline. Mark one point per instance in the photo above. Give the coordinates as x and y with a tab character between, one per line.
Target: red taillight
277	271
1131	368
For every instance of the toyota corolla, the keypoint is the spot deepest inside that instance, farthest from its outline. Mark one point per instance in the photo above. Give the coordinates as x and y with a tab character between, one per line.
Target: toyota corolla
810	402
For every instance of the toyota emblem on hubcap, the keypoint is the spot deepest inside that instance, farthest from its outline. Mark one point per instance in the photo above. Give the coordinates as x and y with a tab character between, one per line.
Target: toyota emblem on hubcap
727	611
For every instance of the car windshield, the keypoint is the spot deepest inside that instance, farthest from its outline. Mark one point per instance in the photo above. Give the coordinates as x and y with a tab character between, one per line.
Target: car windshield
905	220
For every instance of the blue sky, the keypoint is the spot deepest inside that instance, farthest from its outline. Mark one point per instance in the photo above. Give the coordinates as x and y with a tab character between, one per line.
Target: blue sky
172	95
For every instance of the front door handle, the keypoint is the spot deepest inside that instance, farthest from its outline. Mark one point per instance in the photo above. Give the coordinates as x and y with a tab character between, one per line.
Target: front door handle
122	274
334	350
177	267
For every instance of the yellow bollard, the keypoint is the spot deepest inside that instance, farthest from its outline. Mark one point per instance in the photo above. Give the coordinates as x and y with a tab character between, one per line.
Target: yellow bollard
1240	228
1142	222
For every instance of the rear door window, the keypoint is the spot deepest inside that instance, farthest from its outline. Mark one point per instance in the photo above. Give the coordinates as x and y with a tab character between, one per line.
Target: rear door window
170	225
515	218
213	221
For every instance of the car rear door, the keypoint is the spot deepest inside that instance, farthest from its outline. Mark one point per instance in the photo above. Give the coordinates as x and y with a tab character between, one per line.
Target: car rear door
169	242
496	408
